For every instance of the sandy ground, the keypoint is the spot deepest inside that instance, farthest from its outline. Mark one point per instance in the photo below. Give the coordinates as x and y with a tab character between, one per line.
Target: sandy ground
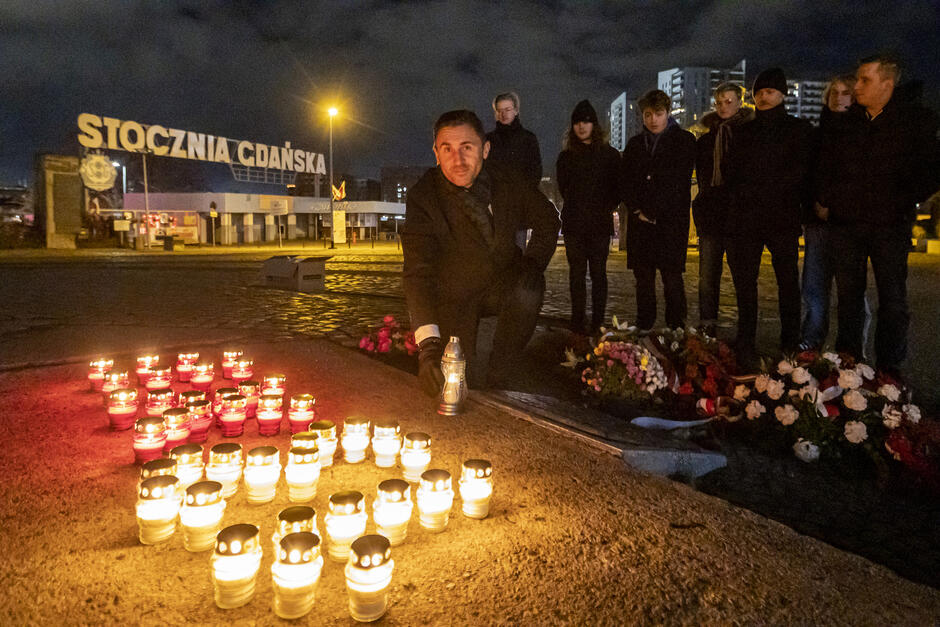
573	536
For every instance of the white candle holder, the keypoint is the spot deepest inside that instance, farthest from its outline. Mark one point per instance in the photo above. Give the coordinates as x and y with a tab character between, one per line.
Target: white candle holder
200	419
294	519
262	471
295	574
144	364
185	362
158	504
386	443
97	370
355	439
368	577
161	467
189	463
225	466
476	487
415	455
435	499
228	362
302	474
158	401
122	408
149	438
325	432
201	515
202	375
235	565
302	412
251	390
345	521
392	510
243	369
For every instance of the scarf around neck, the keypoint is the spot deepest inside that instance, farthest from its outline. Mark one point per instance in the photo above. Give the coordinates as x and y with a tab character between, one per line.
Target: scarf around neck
723	141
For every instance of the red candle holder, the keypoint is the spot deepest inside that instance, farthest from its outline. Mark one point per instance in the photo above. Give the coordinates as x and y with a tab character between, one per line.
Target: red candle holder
122	408
177	423
144	364
114	380
149	438
200	419
185	398
233	415
217	399
274	384
302	412
97	370
251	390
269	414
185	362
158	401
228	362
202	375
159	378
243	369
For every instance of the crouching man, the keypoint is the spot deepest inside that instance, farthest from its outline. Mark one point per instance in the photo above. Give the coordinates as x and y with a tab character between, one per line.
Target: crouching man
461	261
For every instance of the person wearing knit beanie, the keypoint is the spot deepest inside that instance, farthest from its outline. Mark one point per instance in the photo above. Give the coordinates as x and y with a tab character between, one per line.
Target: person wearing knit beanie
772	78
584	112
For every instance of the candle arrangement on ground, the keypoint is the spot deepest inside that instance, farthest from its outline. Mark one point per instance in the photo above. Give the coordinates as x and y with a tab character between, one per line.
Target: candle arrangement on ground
302	473
476	487
392	510
416	455
345	521
149	438
201	515
97	371
386	442
144	364
368	576
122	408
270	414
202	375
228	362
225	466
301	412
235	565
295	574
435	499
185	362
158	504
262	471
355	439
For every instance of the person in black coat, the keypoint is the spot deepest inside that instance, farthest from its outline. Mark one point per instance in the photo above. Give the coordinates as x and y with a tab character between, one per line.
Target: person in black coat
710	207
766	173
461	261
512	145
657	178
588	171
875	166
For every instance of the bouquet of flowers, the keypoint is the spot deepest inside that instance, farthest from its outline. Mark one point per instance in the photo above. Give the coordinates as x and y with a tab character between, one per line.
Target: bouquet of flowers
391	337
622	369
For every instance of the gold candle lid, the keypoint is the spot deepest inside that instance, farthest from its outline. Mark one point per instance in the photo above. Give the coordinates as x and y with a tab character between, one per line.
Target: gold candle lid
394	491
476	469
301	547
303	455
187	453
158	468
296	518
149	425
263	456
370	551
323	429
347	502
417	440
237	540
226	452
435	480
204	493
157	488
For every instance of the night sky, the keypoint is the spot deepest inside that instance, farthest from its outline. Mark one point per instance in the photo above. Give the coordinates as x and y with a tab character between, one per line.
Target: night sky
266	71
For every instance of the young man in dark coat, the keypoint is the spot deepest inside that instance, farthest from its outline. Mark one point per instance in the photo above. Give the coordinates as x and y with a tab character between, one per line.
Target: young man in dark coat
766	173
879	162
461	261
511	145
588	171
710	207
657	179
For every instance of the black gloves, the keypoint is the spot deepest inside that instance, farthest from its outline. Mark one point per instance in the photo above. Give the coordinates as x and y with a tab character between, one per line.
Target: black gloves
531	275
430	375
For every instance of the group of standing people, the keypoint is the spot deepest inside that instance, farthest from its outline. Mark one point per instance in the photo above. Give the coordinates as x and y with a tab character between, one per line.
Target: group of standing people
765	177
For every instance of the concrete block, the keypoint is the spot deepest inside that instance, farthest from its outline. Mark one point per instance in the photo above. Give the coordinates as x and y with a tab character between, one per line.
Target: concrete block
302	274
673	462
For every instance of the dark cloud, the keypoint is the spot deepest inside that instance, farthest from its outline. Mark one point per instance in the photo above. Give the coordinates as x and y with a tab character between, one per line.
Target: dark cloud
266	70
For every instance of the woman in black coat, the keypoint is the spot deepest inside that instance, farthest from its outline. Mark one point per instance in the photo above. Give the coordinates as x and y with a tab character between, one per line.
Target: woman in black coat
657	180
587	172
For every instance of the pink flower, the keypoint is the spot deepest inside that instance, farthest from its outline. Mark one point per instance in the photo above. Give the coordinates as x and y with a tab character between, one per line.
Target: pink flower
367	344
385	345
384	334
389	321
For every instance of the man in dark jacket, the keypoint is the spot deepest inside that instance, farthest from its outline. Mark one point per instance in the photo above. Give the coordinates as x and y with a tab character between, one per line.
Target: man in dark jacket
511	145
878	163
657	179
710	207
766	174
460	258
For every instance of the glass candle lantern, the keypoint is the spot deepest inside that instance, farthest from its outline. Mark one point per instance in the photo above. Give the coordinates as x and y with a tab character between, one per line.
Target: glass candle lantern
158	401
177	422
243	369
185	362
294	519
228	362
415	455
200	419
368	577
262	471
386	442
251	390
345	521
144	364
304	439
476	487
302	474
157	468
435	498
158	504
189	463
159	378
325	431
269	414
122	408
149	438
115	380
392	510
97	370
188	396
217	399
355	439
201	515
233	415
225	466
235	565
302	412
274	384
202	375
295	574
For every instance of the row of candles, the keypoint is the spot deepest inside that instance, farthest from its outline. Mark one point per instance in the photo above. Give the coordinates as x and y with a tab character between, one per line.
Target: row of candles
189	369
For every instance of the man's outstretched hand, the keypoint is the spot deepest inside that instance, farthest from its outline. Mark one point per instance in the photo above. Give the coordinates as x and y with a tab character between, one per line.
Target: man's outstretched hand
430	376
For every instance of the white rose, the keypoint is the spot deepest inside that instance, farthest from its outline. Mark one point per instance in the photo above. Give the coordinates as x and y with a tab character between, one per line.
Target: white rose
754	410
891	417
864	370
890	392
784	367
809	392
853	399
741	392
774	389
800	375
833	358
674	346
855	432
912	412
805	450
849	379
760	383
786	414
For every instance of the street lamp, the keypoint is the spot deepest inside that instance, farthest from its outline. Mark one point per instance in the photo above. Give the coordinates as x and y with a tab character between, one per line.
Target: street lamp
124	177
332	111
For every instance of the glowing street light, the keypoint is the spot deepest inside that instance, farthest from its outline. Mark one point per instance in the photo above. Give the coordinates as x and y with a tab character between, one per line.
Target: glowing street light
332	111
